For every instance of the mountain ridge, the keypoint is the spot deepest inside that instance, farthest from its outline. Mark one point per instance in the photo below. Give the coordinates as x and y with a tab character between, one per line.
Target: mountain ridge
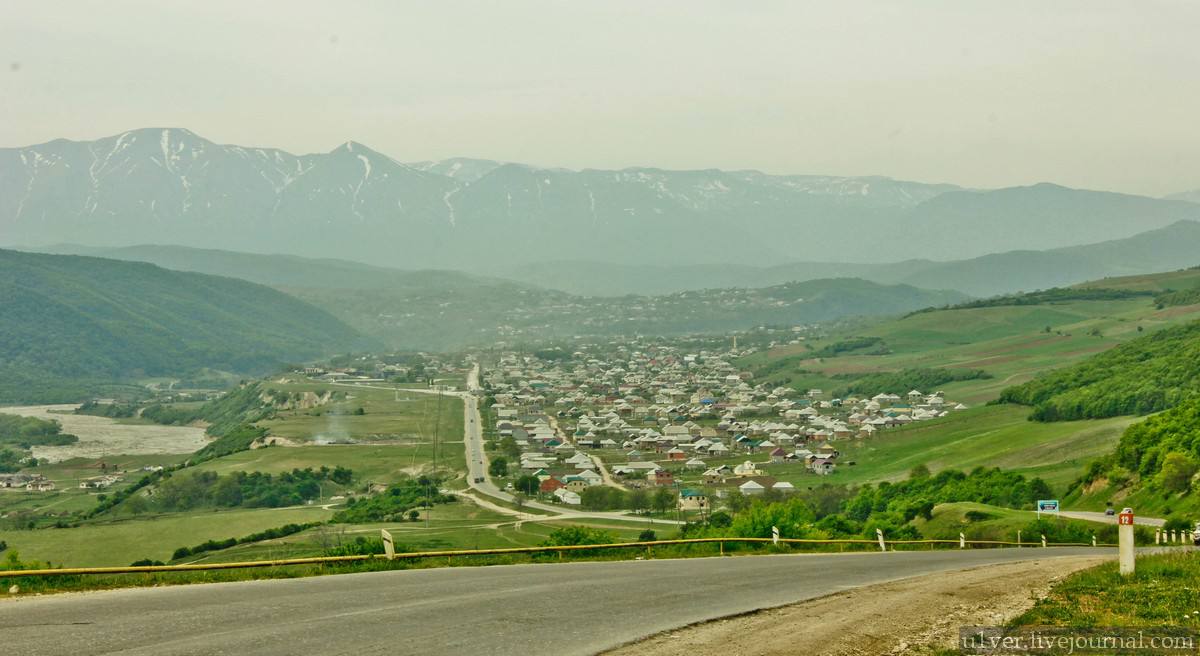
165	185
68	321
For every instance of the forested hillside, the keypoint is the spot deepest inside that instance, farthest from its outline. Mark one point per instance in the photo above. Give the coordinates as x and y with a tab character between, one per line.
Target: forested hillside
68	324
1144	375
1155	462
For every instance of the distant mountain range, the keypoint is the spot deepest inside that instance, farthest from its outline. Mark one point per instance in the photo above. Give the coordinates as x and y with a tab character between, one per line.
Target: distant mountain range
69	323
1164	249
1189	196
172	186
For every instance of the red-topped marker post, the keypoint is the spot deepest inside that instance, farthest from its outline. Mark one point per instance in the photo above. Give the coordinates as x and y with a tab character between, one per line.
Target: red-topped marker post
1125	541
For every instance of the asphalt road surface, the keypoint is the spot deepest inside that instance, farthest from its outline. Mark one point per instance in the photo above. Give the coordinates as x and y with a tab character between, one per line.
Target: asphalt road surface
524	610
1111	519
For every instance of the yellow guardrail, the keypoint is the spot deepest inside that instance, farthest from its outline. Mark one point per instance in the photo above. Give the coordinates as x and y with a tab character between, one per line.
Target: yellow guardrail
415	555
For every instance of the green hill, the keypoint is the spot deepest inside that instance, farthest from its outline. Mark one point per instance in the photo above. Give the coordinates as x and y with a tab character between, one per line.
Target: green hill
443	310
1013	339
1148	374
1153	467
69	324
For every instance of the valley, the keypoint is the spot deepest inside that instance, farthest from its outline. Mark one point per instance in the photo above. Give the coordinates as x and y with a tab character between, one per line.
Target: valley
583	328
461	412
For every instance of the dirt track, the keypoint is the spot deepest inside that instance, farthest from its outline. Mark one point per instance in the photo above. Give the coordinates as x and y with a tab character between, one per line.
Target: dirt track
911	616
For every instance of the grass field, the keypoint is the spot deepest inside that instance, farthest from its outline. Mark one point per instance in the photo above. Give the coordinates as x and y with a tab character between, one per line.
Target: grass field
389	414
122	542
1162	592
453	526
66	475
990	436
1010	342
371	463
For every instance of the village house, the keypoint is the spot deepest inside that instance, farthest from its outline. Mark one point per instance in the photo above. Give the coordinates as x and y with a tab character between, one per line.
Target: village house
693	499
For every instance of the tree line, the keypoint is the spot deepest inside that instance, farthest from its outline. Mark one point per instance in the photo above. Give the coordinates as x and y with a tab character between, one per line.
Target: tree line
1144	375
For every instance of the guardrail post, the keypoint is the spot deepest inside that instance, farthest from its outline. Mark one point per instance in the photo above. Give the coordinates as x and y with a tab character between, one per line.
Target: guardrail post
882	544
1018	539
962	540
389	547
722	547
1158	536
1043	539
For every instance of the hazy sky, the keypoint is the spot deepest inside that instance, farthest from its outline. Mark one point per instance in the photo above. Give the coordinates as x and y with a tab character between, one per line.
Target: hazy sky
1097	94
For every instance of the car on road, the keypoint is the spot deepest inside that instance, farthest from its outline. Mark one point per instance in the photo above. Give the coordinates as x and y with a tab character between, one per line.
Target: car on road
478	479
1110	511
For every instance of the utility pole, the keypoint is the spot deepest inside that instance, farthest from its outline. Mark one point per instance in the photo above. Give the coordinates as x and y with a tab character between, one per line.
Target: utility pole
437	424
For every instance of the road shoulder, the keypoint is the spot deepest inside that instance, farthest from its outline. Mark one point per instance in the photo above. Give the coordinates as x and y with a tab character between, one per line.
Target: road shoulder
914	615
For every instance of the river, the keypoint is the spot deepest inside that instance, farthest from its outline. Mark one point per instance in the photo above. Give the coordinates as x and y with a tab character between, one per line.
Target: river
101	437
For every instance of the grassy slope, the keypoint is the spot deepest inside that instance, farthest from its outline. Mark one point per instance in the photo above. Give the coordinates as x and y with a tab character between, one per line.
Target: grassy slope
1008	342
991	436
122	542
402	423
1011	344
1161	592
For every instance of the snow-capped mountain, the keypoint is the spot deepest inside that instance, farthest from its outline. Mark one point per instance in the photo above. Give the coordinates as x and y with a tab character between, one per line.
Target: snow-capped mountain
159	185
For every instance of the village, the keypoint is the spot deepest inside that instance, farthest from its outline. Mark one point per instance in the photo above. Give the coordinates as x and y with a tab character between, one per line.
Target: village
652	416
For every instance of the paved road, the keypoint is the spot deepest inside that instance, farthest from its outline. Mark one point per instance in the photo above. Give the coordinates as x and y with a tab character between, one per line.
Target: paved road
477	460
561	609
1101	517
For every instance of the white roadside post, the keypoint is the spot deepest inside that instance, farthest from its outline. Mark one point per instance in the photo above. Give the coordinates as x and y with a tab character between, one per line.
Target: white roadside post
1093	540
962	540
389	547
1043	539
774	535
882	544
1158	536
1018	538
1125	541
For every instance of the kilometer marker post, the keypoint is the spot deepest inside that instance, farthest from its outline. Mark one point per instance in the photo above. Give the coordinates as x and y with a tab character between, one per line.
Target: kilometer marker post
1125	542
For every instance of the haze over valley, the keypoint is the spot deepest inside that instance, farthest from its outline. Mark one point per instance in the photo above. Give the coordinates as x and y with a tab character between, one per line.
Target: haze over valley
598	327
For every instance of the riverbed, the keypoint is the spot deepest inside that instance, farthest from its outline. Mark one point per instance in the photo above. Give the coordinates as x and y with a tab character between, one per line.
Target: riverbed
101	437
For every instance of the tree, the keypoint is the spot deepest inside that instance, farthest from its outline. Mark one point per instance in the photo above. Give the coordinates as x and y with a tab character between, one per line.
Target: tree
136	504
720	519
528	484
603	497
738	501
647	535
1177	472
414	515
920	471
638	500
572	535
498	467
663	500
